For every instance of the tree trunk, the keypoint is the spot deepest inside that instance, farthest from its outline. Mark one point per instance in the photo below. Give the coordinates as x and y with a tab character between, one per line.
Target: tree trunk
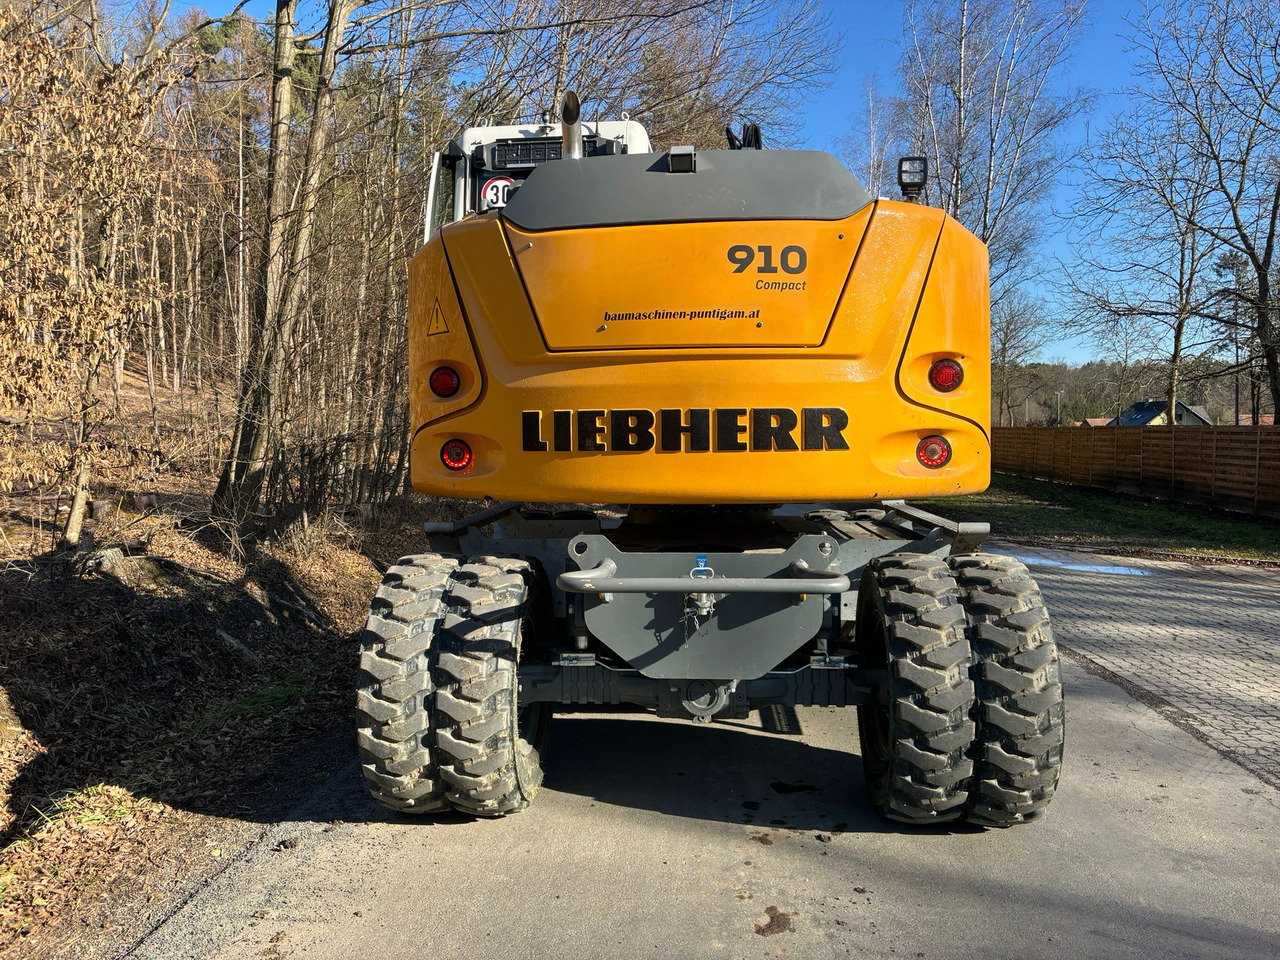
83	468
82	462
240	486
1271	360
1268	334
1175	367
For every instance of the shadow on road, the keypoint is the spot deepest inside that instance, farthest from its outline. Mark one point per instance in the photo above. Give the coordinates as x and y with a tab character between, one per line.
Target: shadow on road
720	771
725	772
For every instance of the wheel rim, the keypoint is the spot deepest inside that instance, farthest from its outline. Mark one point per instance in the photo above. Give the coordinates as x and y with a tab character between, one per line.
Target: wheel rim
876	717
875	724
529	722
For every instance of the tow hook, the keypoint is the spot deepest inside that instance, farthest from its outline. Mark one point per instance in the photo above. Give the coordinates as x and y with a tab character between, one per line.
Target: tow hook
703	699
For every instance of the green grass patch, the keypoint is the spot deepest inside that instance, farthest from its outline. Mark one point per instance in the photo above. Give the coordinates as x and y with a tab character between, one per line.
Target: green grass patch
96	804
1023	509
266	701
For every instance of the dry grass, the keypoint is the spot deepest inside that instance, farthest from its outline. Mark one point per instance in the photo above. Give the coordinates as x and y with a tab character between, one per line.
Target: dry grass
82	842
133	707
136	706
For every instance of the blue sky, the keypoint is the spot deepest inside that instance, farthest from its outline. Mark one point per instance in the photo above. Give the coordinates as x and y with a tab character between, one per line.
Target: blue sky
871	34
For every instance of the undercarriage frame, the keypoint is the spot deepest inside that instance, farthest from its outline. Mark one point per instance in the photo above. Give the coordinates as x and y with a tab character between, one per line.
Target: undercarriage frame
703	612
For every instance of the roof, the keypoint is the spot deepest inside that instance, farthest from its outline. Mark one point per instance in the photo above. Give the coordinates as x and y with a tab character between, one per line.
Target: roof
1094	422
1143	412
635	188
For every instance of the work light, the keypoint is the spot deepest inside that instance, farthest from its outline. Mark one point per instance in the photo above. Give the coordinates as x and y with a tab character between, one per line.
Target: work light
913	173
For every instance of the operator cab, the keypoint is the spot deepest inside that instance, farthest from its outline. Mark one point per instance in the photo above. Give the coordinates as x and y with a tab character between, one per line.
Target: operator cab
482	169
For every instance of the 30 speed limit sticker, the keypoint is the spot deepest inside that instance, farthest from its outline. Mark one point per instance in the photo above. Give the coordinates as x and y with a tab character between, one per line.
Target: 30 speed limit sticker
495	193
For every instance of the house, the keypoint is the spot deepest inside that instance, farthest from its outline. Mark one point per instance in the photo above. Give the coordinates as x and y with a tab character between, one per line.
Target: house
1264	420
1093	422
1154	413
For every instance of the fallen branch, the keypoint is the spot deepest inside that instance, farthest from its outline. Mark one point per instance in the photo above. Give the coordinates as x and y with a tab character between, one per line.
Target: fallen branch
319	619
115	562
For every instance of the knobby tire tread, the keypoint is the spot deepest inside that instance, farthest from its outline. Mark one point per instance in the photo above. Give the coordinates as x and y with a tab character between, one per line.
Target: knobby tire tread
487	768
393	730
931	693
1018	681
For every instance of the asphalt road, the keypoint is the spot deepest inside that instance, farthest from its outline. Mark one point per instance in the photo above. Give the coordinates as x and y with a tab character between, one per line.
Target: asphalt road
668	839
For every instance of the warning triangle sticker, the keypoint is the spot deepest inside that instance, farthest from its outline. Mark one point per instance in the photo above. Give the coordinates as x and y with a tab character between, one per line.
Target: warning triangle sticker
437	324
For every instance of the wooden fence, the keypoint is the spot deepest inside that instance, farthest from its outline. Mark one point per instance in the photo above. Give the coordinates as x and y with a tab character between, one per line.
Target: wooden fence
1235	468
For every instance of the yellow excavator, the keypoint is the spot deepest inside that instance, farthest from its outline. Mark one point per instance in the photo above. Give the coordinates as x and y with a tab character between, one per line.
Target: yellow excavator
719	374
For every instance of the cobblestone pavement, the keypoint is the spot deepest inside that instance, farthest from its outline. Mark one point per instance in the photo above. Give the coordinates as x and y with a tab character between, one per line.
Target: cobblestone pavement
1204	639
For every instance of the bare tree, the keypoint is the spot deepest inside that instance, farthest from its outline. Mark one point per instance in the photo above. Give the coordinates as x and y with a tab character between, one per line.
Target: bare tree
1214	64
1140	255
289	230
983	99
1126	342
866	150
685	67
1019	331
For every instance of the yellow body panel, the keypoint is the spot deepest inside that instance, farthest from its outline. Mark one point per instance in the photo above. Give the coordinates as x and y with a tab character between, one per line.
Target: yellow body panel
673	285
555	415
437	336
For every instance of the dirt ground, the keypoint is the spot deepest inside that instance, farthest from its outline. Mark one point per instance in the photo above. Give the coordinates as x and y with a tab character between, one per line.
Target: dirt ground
150	693
159	681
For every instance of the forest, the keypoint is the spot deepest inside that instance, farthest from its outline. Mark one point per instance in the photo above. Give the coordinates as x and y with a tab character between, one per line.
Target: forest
205	221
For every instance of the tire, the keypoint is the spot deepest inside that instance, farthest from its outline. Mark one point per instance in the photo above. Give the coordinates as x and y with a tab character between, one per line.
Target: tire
916	737
394	734
489	749
1018	681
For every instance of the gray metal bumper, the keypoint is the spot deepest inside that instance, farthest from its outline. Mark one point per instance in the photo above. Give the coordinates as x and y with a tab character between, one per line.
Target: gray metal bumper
802	579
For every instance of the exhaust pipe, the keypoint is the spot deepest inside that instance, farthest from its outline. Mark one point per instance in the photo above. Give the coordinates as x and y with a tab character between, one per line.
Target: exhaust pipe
571	128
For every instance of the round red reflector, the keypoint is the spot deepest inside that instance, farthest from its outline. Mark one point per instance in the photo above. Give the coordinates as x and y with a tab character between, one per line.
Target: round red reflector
445	381
933	452
456	455
946	375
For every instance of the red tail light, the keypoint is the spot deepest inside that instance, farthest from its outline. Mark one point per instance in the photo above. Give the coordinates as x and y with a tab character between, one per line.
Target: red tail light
457	455
946	375
445	382
933	452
